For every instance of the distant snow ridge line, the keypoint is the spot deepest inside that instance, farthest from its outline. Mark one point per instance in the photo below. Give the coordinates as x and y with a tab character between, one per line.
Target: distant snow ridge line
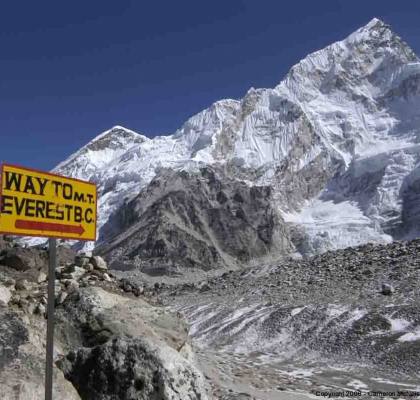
340	132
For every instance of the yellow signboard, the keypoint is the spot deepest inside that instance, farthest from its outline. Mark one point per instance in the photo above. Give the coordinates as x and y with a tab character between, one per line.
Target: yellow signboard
35	203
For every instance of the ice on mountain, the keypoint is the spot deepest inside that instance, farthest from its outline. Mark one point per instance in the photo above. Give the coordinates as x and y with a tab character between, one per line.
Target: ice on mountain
328	226
353	104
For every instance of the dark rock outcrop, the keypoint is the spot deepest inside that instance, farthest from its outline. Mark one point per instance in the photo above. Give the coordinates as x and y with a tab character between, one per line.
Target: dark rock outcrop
130	369
195	220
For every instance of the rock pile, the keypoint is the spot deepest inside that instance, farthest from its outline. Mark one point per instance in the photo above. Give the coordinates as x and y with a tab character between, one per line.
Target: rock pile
360	303
98	318
371	273
31	296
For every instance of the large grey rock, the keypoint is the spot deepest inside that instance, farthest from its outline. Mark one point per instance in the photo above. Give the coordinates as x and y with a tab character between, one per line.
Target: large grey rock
99	263
5	295
132	369
144	348
93	314
387	289
141	348
81	260
13	333
23	259
73	272
23	284
22	360
42	277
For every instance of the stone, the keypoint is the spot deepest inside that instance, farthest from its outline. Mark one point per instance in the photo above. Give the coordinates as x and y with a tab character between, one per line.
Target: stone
23	284
60	270
13	334
107	277
138	290
97	273
125	285
31	308
23	303
22	360
74	272
72	285
40	309
99	263
204	287
5	295
81	261
23	259
132	368
61	298
10	283
65	255
89	267
387	289
15	299
42	277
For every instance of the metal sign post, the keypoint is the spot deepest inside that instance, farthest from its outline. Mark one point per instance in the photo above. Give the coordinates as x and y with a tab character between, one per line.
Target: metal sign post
49	361
37	203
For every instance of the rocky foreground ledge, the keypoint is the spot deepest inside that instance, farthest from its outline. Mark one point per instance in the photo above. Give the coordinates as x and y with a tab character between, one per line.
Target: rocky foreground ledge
109	342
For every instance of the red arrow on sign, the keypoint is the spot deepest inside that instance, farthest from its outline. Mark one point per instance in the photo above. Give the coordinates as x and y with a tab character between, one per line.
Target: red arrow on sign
49	226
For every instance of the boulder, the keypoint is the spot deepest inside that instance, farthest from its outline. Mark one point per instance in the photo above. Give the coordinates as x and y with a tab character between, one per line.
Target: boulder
387	289
107	277
81	260
22	360
42	277
204	287
5	295
61	298
123	348
23	284
65	255
73	272
72	285
23	259
40	309
89	267
132	369
99	263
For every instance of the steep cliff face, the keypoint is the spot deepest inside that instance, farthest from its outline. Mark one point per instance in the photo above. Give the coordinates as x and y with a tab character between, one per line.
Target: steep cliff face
199	219
338	135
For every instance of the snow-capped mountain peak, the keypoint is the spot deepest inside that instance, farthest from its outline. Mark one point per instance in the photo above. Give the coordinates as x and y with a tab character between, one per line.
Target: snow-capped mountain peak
99	152
342	116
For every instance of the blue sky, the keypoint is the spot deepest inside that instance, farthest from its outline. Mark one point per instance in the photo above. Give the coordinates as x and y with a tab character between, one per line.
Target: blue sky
70	70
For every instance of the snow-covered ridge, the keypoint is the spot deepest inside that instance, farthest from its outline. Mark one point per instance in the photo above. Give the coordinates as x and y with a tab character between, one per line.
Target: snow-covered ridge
354	100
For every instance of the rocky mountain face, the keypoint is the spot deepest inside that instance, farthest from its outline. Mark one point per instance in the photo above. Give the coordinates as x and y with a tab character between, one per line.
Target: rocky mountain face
337	142
201	219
